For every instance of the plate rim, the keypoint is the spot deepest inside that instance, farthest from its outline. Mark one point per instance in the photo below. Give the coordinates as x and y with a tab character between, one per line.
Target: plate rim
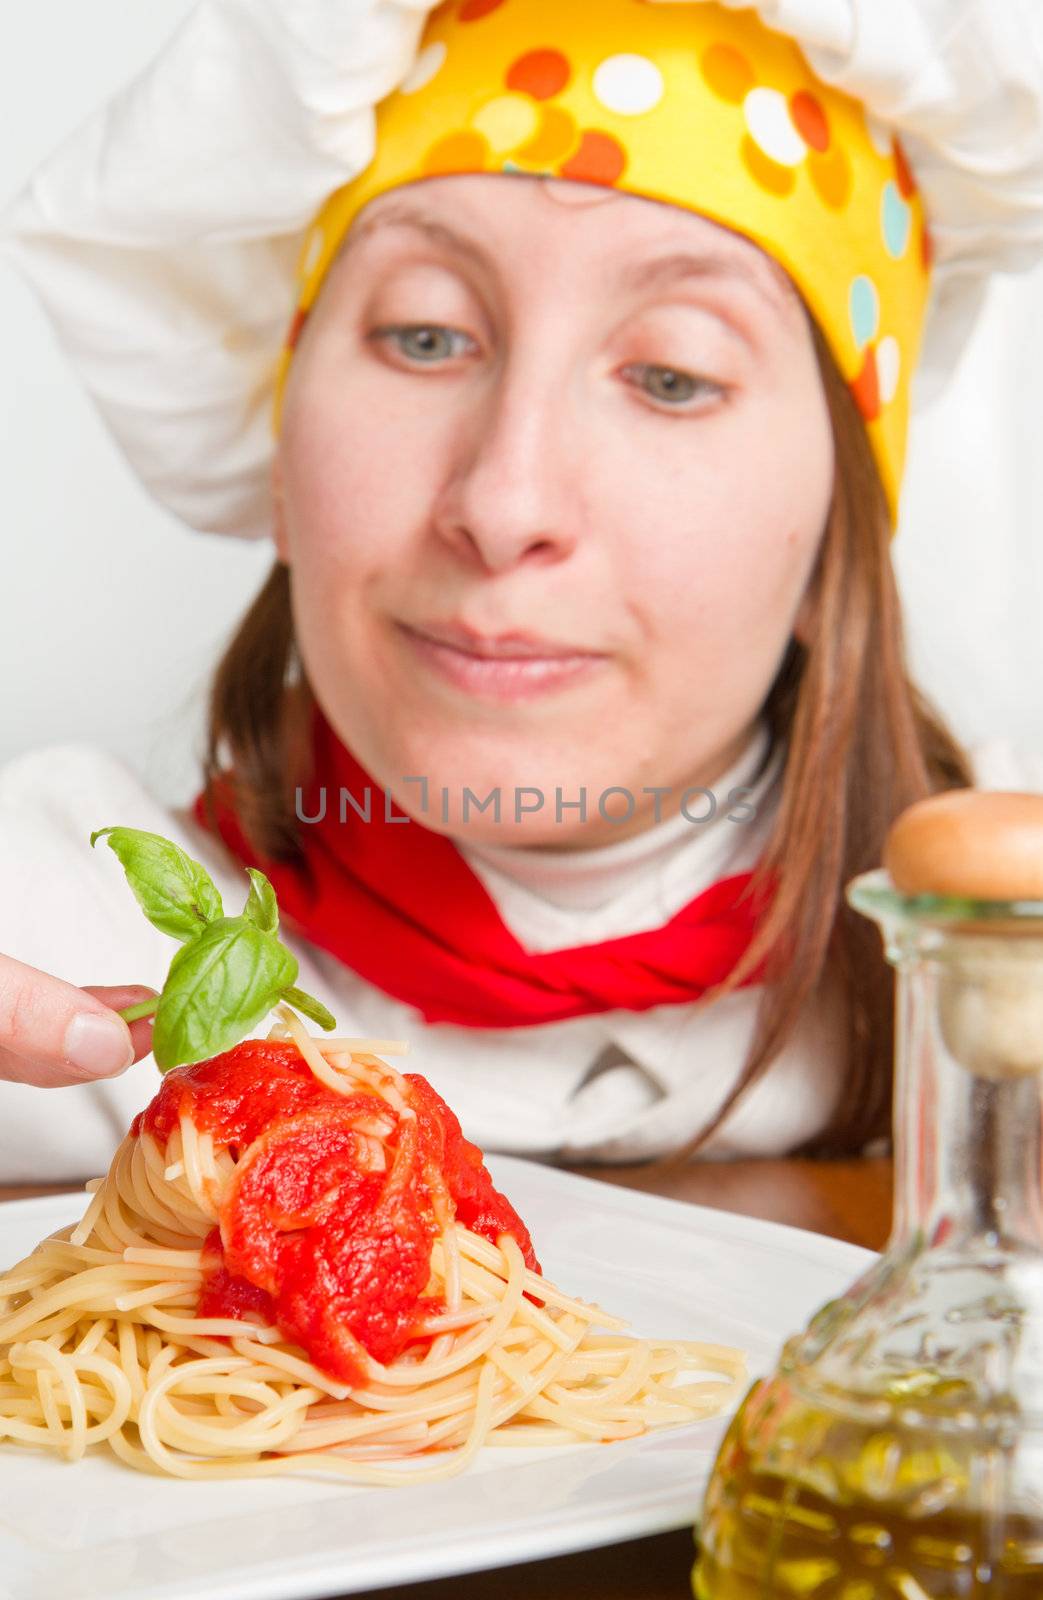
740	1223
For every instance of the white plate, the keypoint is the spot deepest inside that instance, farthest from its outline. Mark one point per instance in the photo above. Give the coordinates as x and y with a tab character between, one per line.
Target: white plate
96	1528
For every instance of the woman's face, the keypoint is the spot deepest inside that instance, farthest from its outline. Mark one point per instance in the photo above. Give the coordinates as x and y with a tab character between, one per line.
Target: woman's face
533	407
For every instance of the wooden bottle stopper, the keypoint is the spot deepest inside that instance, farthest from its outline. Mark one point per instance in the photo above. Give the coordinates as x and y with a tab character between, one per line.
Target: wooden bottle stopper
979	844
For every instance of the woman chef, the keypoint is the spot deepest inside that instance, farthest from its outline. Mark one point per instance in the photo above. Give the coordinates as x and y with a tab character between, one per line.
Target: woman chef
576	692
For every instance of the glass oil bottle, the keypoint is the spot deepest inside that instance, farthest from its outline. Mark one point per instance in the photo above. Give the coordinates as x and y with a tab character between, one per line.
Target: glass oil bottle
897	1449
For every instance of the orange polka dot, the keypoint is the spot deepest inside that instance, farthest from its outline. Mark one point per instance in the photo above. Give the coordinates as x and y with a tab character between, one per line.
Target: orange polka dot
553	139
599	159
457	152
441	12
294	330
903	171
809	119
728	72
866	387
831	176
471	10
768	173
541	73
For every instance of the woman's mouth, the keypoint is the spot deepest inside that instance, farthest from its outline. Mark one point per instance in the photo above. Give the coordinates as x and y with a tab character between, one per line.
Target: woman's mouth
506	668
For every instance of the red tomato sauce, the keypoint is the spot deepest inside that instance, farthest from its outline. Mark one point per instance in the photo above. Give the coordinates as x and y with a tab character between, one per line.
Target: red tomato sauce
312	1236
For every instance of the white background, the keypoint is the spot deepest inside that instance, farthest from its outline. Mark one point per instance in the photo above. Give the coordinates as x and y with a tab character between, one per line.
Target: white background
113	614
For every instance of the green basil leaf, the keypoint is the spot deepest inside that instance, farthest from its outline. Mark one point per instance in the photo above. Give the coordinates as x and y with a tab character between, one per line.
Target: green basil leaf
176	894
310	1006
217	989
261	908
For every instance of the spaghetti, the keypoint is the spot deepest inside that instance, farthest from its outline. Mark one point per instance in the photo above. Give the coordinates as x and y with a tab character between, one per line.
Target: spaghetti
296	1261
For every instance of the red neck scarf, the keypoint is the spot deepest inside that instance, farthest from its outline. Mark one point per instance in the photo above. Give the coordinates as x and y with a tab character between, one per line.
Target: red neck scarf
398	904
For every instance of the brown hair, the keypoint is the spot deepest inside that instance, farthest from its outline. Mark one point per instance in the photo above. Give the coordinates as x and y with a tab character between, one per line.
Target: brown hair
862	743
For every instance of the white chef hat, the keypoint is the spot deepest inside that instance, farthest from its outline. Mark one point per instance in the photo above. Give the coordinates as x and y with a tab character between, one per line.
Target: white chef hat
163	236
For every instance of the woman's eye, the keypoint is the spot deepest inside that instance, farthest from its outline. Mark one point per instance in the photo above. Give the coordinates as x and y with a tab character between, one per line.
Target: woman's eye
423	342
672	387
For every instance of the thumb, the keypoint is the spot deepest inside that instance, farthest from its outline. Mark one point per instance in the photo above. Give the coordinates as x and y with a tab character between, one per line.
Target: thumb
117	998
52	1032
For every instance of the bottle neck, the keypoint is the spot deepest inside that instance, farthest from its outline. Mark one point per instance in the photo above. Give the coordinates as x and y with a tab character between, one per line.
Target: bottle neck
968	1146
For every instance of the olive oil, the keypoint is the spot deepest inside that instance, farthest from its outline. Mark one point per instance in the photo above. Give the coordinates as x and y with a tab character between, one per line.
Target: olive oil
808	1502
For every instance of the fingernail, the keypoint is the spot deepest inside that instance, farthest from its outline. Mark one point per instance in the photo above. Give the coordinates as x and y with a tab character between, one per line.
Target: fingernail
97	1046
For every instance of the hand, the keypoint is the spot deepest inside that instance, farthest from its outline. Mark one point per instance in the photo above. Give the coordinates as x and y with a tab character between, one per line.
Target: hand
53	1033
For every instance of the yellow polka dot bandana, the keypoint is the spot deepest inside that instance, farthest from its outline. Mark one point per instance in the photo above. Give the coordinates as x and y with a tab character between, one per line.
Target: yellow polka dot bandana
691	104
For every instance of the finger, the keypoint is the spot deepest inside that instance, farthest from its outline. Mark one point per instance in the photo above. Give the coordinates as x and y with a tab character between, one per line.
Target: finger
129	994
52	1032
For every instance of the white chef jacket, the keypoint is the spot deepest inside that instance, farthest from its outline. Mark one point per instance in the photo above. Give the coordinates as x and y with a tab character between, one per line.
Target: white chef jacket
617	1086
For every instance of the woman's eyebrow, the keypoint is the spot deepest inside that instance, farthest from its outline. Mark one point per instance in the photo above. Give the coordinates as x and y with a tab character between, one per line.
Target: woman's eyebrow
659	273
767	278
405	216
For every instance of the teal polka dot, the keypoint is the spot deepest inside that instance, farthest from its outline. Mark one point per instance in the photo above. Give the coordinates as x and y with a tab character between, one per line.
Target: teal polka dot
895	220
864	310
527	172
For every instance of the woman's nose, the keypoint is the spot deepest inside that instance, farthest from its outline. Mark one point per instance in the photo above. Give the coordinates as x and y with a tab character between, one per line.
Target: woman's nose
509	494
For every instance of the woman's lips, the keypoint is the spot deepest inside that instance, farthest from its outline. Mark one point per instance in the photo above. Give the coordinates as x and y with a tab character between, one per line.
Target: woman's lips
500	677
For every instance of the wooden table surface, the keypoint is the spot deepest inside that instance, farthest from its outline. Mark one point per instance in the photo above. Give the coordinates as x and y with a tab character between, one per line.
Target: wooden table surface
847	1199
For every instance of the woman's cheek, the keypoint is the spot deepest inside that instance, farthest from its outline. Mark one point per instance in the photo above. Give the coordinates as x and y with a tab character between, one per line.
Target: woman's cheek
338	495
720	590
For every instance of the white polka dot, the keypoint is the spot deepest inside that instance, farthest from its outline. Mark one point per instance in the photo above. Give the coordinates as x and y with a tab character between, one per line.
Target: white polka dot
888	366
312	252
424	67
879	134
768	119
507	120
628	84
